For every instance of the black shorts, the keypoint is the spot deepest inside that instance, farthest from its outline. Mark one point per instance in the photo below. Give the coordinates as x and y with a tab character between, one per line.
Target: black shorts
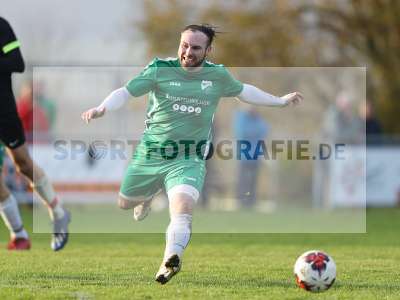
11	131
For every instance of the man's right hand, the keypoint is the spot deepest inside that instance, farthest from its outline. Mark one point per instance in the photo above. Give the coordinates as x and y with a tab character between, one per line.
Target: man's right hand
93	113
293	98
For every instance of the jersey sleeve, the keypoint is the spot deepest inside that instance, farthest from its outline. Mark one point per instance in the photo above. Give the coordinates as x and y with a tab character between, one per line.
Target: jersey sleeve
232	86
144	82
10	56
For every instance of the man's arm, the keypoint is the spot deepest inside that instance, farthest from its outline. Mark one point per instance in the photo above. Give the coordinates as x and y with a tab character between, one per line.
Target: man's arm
253	95
10	55
114	101
138	86
12	62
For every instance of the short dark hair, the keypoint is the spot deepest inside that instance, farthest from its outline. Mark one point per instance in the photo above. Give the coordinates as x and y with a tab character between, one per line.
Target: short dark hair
207	29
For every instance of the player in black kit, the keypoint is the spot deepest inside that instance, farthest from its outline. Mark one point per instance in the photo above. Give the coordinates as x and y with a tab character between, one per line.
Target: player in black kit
12	136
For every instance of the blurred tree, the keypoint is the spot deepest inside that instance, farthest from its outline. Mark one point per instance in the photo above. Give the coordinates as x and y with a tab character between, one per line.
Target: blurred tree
269	41
367	33
294	33
257	35
162	23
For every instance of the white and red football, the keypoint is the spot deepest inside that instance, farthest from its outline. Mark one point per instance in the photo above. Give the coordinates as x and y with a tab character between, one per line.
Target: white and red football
315	271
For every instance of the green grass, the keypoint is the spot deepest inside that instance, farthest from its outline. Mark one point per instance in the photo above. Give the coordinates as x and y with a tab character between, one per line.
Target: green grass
91	218
216	266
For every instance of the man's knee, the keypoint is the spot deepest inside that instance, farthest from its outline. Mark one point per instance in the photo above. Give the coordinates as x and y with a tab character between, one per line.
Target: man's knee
123	203
182	198
182	205
129	203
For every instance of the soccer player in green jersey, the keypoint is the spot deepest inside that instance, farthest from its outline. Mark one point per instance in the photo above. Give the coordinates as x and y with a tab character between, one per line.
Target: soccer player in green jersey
183	95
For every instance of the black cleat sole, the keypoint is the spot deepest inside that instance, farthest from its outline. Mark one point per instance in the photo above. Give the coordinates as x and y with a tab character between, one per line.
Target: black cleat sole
172	262
161	279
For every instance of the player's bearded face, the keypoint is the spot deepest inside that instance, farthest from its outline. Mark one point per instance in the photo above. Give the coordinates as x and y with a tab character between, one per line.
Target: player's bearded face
193	49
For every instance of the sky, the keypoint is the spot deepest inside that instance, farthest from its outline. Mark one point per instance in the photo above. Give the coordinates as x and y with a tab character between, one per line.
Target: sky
77	32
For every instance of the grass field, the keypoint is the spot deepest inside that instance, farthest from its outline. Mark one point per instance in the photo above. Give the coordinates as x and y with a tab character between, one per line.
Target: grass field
90	218
216	266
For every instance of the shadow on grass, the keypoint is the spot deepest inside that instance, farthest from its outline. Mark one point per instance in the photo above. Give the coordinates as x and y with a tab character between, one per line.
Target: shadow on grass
238	282
47	280
362	286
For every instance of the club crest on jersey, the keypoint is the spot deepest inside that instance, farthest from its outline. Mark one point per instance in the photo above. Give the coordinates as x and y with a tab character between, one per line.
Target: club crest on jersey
205	84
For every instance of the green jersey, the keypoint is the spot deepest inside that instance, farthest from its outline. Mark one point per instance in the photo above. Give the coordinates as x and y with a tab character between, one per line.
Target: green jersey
181	103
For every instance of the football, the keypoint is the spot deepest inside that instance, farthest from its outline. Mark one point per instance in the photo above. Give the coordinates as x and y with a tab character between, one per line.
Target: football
315	271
